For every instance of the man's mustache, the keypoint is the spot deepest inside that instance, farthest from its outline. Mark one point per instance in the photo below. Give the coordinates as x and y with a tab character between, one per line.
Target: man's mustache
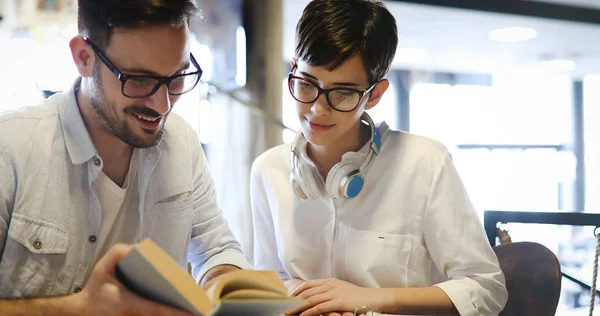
142	110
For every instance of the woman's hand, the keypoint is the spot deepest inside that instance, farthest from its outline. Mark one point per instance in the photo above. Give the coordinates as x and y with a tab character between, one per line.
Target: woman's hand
333	297
292	285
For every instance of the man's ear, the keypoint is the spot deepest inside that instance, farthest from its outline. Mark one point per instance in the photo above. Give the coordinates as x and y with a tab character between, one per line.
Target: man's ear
293	62
377	93
83	56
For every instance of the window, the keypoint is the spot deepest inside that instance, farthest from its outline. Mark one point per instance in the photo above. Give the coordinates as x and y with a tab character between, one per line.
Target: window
288	113
508	140
26	71
591	100
386	110
518	109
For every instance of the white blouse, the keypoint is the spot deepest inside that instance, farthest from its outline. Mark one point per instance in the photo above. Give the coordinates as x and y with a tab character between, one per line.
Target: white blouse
413	225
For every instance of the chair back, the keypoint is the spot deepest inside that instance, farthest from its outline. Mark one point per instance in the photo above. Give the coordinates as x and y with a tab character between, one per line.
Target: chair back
533	278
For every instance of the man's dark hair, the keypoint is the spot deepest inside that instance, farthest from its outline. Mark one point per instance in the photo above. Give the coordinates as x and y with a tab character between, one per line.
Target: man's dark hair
97	18
330	32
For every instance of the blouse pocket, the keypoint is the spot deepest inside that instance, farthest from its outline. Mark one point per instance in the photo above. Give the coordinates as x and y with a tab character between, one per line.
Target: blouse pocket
377	259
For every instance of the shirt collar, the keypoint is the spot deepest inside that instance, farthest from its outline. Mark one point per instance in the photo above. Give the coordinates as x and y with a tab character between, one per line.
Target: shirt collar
78	141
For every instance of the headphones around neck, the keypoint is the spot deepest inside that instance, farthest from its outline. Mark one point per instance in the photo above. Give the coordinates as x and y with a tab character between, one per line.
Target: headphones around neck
345	180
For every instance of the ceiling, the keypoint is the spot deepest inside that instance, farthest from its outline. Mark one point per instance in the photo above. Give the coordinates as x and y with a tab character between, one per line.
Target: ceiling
457	40
594	4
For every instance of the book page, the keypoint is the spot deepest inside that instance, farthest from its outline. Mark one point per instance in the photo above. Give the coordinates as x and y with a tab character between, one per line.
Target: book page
252	294
260	281
152	273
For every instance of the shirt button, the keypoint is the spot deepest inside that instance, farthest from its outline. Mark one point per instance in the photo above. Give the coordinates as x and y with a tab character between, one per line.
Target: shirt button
37	244
77	290
97	162
92	239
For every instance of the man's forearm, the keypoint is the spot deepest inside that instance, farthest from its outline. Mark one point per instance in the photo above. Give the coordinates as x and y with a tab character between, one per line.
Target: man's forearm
217	271
39	307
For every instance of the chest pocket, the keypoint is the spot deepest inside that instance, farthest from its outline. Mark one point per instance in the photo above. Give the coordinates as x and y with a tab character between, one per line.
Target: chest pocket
33	255
376	259
169	224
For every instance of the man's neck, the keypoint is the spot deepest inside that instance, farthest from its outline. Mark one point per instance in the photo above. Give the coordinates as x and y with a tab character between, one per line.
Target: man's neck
116	157
325	157
115	154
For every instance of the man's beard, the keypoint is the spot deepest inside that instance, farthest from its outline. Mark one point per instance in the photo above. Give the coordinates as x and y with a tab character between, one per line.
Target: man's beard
107	113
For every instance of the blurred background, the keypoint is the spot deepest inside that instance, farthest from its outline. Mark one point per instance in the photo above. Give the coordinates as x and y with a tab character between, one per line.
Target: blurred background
512	88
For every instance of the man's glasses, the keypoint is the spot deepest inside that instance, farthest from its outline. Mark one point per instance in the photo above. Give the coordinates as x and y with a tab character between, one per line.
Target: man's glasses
339	99
134	86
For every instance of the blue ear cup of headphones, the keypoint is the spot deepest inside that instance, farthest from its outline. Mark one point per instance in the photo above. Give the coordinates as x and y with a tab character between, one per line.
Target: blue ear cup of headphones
347	178
344	181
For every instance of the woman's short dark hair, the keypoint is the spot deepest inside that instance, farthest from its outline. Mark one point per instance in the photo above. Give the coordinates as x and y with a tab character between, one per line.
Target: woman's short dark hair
97	18
330	32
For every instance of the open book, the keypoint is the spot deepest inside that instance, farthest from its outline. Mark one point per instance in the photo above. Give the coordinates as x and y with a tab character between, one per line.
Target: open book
150	272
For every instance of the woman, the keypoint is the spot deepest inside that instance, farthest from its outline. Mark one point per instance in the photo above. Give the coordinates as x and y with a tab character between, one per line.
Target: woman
353	214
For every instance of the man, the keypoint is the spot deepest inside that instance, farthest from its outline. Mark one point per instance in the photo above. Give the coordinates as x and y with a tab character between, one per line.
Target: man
106	163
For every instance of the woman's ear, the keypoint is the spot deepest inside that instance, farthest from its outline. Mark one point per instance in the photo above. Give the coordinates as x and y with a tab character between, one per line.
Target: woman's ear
83	56
377	93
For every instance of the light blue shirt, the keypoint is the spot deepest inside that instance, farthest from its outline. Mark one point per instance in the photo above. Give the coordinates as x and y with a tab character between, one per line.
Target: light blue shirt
49	215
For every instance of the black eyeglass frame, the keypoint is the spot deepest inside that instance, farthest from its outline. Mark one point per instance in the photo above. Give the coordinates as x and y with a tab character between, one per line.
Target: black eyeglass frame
160	80
326	92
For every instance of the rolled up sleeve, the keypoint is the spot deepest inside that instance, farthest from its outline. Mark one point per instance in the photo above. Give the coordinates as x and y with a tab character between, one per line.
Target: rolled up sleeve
459	248
212	242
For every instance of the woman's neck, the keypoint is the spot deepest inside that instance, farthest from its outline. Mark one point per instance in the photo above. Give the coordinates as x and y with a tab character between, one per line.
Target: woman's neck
327	156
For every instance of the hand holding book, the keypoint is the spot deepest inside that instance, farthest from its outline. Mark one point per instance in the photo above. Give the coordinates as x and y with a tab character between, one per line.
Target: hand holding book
152	273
